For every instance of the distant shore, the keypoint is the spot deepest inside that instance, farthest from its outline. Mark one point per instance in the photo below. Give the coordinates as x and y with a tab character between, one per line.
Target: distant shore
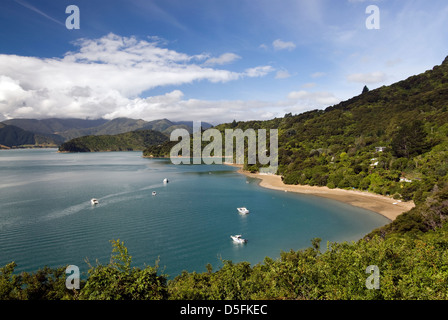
386	206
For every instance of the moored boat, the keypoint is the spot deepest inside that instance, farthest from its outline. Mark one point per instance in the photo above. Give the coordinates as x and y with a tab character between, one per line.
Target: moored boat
243	210
238	239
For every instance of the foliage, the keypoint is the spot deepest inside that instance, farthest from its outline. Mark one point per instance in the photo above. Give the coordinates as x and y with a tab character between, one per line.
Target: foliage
119	281
134	140
14	136
45	284
335	147
409	141
411	266
365	89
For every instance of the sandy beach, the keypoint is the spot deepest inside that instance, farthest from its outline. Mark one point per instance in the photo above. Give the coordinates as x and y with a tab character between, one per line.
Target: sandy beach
386	206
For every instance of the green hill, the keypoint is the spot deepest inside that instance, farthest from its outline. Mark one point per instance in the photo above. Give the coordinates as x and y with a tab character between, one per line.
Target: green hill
128	141
391	141
340	146
12	136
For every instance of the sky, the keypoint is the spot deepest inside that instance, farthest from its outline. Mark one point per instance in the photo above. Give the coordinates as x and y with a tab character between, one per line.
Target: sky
208	60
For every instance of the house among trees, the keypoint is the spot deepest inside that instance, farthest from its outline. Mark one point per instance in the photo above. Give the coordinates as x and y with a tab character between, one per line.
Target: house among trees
380	149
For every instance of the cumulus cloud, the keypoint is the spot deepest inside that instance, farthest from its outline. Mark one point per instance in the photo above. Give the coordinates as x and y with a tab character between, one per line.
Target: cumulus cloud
174	106
105	77
370	78
282	74
315	99
225	58
283	45
258	71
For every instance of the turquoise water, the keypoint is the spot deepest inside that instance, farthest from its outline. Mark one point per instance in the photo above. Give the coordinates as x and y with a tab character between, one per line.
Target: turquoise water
46	217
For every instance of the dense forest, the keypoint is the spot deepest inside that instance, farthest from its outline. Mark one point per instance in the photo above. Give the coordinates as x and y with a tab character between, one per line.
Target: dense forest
391	141
129	141
12	137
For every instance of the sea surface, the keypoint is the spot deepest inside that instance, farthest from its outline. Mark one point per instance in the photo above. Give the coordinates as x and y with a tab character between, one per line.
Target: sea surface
46	218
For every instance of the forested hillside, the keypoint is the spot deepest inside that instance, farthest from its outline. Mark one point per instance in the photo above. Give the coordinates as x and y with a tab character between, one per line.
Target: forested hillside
129	141
13	136
392	141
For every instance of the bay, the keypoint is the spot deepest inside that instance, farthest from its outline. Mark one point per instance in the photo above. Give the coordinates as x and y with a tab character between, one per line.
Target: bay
46	218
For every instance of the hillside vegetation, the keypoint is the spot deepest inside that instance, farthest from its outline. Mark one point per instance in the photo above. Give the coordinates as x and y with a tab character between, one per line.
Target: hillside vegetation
410	267
391	141
129	141
336	147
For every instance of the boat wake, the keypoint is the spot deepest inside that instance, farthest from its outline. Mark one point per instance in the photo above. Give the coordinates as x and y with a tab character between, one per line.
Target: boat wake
106	200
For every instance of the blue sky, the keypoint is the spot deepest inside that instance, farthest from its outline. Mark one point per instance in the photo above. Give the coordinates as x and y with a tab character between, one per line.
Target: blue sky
208	60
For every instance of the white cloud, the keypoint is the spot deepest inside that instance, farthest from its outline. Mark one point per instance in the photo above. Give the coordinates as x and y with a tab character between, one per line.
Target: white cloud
283	45
258	71
225	58
367	78
314	99
173	106
105	77
282	74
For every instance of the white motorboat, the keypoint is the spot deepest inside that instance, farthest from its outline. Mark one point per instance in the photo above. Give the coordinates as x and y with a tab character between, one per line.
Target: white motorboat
165	180
237	238
94	201
154	193
243	210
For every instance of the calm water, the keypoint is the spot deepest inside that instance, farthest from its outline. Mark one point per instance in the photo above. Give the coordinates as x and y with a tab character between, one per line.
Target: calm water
46	217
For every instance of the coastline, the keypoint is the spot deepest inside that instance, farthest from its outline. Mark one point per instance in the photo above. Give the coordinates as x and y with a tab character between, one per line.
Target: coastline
377	203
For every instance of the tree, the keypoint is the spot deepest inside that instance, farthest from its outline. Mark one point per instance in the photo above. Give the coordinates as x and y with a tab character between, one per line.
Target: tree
410	140
365	89
118	280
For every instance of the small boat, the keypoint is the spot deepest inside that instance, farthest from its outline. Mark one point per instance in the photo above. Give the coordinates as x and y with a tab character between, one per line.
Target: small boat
154	193
243	210
237	238
94	201
165	180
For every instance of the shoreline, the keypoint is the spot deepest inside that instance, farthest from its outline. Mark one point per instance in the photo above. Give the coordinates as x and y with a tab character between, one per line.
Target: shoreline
383	205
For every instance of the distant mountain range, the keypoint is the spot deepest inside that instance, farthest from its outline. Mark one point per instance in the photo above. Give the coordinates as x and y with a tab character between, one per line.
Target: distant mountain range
55	131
